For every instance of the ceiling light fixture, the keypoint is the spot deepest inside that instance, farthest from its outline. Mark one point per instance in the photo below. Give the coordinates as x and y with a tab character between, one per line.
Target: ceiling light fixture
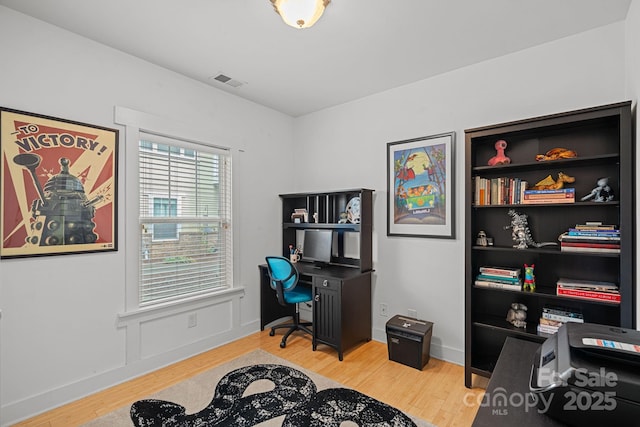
300	13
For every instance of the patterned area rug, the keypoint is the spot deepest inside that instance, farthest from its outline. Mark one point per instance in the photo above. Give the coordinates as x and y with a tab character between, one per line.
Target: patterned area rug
258	389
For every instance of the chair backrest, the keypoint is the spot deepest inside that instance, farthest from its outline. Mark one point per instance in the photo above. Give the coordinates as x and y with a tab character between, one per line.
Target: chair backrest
282	274
282	270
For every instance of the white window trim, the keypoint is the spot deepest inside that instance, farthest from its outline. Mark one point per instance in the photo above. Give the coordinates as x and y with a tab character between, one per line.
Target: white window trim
136	122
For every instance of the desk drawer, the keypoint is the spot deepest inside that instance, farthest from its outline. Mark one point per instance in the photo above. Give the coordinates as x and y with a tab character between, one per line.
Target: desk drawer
322	282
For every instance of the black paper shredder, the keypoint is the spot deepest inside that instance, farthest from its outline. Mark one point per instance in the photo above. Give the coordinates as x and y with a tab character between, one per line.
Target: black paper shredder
409	341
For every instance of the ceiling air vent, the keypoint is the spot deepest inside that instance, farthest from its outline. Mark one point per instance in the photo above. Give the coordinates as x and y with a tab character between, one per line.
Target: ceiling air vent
228	80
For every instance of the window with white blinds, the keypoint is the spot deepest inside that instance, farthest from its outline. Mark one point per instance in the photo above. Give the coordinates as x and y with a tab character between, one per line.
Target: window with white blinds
185	219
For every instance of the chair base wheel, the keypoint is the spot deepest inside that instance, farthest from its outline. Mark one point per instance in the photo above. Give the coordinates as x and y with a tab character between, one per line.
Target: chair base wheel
272	333
283	344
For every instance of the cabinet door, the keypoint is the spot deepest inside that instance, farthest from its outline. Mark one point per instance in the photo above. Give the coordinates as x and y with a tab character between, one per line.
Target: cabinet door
326	310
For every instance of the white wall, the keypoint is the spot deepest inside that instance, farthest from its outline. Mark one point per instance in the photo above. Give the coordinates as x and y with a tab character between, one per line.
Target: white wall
633	90
345	147
58	330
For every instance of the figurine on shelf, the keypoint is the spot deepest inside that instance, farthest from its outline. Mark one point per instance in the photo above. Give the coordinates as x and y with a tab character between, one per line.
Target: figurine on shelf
499	158
602	193
353	210
529	278
520	232
481	240
517	315
555	154
550	184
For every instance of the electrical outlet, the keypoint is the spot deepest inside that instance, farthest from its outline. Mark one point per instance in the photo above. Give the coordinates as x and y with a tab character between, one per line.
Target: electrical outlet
412	313
192	320
384	309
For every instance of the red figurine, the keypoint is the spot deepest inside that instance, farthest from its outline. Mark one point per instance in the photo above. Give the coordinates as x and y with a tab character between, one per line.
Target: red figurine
500	158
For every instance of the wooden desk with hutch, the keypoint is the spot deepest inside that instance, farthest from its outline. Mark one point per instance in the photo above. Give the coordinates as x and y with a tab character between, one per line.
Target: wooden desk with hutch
341	289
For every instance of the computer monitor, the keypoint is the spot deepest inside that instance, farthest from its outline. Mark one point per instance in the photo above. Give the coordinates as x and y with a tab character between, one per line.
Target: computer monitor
317	246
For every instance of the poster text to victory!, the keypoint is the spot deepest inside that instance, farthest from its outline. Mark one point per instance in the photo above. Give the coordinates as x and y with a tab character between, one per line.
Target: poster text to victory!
49	140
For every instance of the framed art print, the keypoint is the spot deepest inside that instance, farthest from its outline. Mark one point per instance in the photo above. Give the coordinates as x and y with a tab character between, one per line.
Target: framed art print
420	187
59	186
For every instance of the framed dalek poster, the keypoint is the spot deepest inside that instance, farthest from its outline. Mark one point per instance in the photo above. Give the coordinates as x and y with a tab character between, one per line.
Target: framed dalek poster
59	187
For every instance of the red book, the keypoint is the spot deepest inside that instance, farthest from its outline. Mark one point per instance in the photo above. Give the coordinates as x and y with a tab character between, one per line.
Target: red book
500	271
591	295
590	245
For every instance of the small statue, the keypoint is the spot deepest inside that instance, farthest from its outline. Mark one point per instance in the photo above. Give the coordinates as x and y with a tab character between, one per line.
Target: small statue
517	315
550	184
520	232
529	278
602	193
555	154
499	158
481	240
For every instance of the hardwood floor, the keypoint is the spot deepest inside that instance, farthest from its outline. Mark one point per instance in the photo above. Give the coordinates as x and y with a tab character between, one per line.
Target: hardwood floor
436	394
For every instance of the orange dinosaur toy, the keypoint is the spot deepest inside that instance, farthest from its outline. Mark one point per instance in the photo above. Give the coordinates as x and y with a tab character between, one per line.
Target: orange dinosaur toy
555	154
549	184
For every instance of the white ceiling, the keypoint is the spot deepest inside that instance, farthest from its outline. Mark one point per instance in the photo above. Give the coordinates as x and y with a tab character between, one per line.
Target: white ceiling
359	47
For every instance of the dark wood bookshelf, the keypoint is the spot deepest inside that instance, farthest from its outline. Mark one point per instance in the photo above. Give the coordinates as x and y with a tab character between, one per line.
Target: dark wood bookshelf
602	138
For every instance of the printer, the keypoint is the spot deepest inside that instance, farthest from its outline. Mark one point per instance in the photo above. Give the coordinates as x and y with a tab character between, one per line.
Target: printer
588	375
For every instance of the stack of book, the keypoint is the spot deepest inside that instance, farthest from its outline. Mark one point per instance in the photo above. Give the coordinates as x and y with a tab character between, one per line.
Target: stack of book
554	317
588	289
498	191
563	195
500	278
591	237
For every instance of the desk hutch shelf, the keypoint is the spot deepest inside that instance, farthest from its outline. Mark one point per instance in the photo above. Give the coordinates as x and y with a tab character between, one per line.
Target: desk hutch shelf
328	206
602	138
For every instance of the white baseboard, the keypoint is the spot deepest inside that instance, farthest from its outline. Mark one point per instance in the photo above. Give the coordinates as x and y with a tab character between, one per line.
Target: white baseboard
42	402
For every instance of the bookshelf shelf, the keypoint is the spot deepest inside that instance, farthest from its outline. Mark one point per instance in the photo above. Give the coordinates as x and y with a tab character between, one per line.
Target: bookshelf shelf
331	226
544	294
542	205
554	250
602	138
499	324
560	163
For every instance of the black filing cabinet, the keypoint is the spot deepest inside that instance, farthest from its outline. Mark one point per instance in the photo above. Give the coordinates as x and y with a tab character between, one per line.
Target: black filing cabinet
341	311
409	341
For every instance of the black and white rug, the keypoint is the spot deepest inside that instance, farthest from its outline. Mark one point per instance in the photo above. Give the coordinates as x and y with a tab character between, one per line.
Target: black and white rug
258	389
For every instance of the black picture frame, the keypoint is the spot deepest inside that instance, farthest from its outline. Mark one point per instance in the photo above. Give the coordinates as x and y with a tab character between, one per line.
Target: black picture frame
59	186
421	187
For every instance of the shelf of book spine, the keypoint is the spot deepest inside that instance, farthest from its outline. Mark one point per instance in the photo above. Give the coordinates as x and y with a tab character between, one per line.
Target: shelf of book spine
515	191
591	237
589	290
555	316
501	278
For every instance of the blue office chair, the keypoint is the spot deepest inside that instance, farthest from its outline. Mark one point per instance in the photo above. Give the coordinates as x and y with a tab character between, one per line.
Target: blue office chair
283	278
